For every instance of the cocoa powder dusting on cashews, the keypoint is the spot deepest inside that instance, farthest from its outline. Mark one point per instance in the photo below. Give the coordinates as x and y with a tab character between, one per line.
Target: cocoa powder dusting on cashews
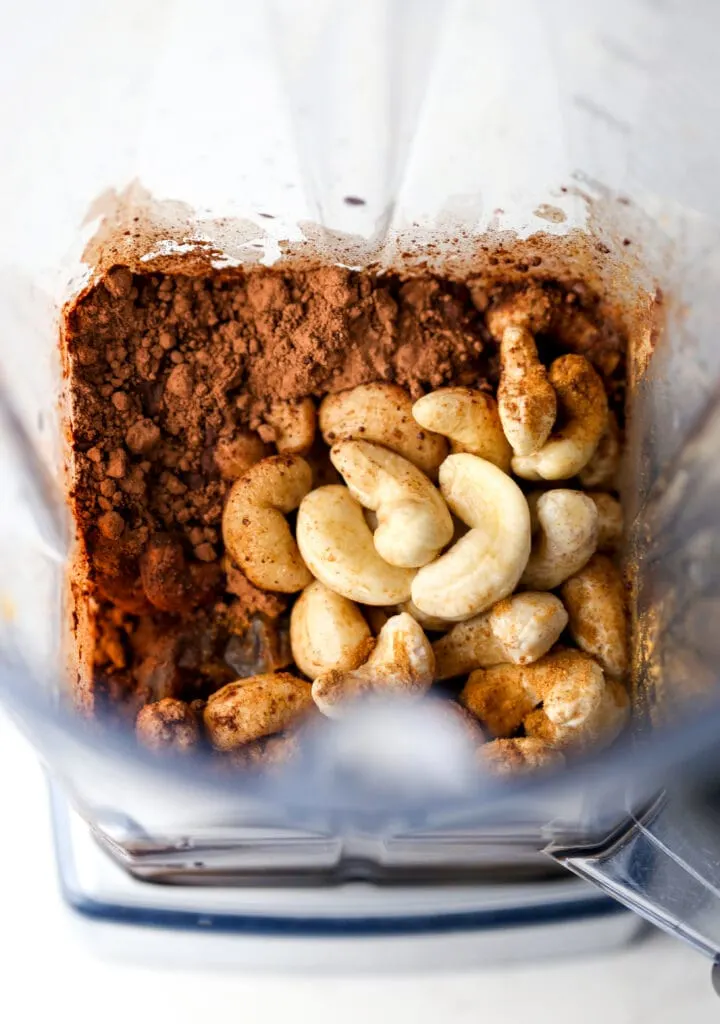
179	385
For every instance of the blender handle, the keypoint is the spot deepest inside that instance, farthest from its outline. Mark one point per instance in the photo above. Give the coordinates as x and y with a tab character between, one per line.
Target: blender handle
665	866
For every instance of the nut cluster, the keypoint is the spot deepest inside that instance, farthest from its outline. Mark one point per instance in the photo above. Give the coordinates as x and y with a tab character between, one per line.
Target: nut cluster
488	523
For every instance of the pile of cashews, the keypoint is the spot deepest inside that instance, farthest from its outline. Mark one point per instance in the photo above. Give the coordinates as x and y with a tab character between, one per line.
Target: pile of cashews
427	532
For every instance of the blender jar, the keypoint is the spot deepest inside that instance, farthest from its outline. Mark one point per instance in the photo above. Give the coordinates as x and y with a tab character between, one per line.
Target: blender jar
369	132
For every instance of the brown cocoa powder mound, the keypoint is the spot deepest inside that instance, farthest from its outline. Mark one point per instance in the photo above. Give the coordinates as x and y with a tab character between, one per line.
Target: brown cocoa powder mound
165	370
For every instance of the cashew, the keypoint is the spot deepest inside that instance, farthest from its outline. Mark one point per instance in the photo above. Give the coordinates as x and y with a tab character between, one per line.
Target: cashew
432	622
527	402
568	684
413	522
337	545
582	412
271	753
470	419
327	632
254	528
565	540
529	307
293	424
467	646
598	730
518	629
486	564
518	756
595	600
170	583
498	698
259	706
234	455
572	690
401	664
460	718
613	716
527	625
381	413
602	469
610	520
168	725
574	329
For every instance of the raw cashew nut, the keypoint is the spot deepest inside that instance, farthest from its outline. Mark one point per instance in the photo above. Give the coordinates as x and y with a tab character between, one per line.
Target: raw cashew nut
255	707
598	730
254	528
337	545
518	756
381	413
602	469
527	625
568	684
293	424
269	754
327	632
610	520
498	697
574	329
460	719
413	521
432	622
565	540
582	409
595	600
168	725
467	646
613	716
235	455
486	564
402	664
529	307
518	629
527	402
470	419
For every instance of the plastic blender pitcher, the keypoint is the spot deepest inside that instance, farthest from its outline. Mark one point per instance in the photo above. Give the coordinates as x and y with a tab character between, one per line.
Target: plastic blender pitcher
355	127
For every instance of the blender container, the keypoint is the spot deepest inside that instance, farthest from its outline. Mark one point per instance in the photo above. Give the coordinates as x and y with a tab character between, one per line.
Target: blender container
365	131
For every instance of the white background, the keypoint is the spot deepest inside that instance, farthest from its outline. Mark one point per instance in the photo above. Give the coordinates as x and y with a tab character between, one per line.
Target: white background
48	967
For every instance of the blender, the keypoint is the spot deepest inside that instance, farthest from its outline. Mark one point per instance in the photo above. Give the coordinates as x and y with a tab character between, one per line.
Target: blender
367	132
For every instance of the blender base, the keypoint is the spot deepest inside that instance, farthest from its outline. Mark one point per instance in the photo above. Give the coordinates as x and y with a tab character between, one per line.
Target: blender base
348	927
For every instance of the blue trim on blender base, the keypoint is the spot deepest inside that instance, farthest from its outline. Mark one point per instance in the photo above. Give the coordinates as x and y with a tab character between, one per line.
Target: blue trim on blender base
249	924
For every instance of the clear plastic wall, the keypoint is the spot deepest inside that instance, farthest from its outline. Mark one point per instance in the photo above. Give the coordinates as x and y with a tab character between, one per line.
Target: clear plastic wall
451	121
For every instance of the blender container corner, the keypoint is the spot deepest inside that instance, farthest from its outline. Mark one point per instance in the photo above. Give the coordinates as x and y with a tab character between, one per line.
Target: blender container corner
357	127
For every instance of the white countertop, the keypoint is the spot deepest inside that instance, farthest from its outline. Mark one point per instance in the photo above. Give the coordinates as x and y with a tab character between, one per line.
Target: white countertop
48	961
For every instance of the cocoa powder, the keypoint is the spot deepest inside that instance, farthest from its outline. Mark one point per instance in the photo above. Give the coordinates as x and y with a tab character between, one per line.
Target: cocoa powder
172	385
